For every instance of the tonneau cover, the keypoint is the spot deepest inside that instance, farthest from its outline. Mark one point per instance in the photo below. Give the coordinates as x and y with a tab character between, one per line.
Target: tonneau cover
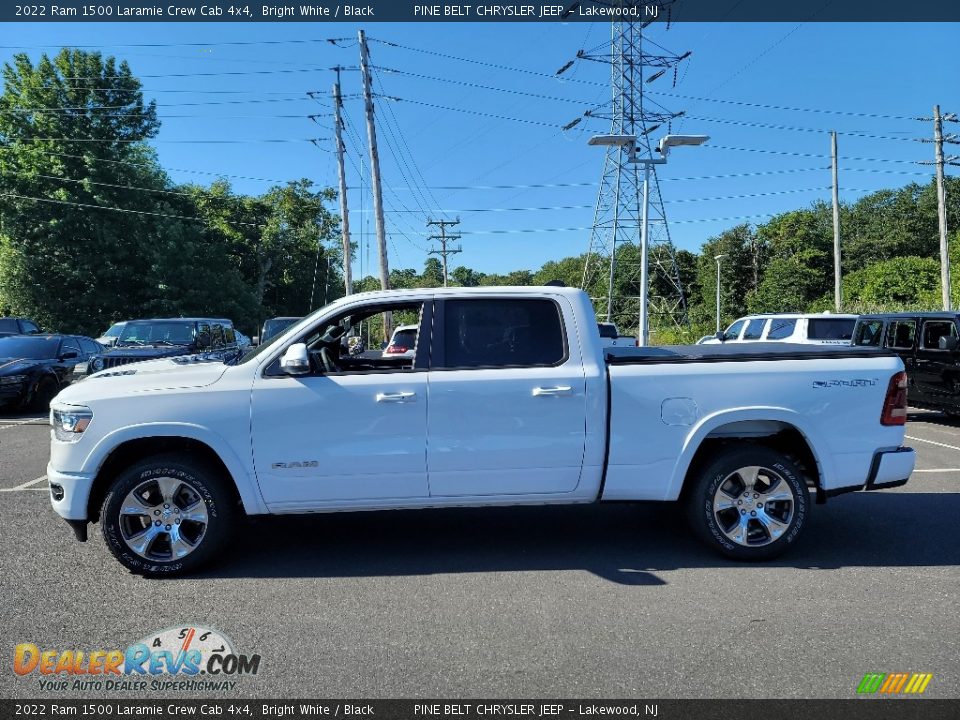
736	352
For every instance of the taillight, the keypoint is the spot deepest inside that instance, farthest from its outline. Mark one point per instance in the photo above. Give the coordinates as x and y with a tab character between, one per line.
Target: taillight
391	349
895	403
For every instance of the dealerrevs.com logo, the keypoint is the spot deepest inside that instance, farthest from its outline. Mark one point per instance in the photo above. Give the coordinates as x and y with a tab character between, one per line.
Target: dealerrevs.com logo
178	658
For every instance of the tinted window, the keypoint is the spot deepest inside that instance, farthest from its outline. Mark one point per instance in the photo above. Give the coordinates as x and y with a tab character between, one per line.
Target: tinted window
502	333
733	331
216	332
406	338
9	326
830	328
36	348
29	327
70	344
781	328
230	335
89	346
900	334
868	333
169	331
608	330
754	329
933	330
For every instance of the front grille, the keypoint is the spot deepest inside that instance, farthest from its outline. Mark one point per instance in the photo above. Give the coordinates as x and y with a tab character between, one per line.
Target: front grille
56	492
111	362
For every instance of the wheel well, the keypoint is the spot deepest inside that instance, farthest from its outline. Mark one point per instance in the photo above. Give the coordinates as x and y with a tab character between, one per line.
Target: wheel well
779	436
131	451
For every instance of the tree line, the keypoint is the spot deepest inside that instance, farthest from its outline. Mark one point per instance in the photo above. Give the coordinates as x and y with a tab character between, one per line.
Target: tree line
93	230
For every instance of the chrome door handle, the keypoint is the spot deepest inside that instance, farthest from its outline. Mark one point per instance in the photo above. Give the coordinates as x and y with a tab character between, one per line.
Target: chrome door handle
557	390
397	397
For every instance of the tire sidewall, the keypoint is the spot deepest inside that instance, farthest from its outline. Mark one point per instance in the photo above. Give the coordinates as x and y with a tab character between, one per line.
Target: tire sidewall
714	476
200	480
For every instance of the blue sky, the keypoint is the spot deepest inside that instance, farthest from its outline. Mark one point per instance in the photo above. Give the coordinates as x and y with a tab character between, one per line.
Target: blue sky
864	80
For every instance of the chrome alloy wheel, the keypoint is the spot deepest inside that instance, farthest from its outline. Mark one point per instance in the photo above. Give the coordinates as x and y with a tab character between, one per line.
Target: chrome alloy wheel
163	519
753	506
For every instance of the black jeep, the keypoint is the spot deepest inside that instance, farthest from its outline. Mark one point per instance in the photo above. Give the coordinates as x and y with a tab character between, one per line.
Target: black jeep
140	340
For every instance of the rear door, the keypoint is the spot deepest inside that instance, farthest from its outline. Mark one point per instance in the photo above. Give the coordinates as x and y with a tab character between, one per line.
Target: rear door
937	379
507	398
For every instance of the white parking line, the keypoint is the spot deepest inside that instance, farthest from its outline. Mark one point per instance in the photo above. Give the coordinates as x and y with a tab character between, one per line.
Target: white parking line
26	485
939	470
932	442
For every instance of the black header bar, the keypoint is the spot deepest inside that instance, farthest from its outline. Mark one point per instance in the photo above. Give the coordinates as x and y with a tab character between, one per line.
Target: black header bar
371	11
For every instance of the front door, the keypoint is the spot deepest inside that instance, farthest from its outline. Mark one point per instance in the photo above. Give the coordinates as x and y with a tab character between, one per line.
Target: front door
351	432
507	399
938	382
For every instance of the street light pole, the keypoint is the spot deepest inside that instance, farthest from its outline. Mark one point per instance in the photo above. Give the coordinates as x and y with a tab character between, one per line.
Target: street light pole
718	258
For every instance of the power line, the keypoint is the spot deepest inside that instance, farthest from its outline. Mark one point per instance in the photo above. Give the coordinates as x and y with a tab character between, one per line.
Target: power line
471	112
339	42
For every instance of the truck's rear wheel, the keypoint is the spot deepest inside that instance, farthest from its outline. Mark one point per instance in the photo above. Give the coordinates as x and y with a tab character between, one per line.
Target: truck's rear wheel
749	503
167	515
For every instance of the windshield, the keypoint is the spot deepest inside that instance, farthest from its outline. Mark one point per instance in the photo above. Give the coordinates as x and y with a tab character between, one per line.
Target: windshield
114	330
276	326
167	332
35	348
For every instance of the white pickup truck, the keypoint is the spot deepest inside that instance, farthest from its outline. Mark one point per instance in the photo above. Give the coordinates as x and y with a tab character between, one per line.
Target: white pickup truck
509	399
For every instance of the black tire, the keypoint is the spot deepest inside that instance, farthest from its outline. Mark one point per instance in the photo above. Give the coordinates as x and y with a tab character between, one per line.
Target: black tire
197	483
45	391
760	538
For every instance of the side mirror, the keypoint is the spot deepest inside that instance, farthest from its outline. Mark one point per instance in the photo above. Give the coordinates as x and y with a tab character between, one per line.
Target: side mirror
254	341
948	342
71	354
721	335
295	360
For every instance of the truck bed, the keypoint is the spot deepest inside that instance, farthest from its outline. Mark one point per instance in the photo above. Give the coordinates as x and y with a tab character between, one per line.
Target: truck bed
739	352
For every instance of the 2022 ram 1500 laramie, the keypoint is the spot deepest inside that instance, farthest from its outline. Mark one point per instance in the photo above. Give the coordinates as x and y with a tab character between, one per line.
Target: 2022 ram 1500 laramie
509	399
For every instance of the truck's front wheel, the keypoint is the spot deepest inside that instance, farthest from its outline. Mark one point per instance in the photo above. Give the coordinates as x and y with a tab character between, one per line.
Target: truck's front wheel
166	515
749	503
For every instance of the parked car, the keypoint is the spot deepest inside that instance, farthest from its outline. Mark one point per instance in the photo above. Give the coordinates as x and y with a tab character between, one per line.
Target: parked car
794	328
927	344
610	336
109	338
521	404
18	326
275	326
403	343
34	368
141	340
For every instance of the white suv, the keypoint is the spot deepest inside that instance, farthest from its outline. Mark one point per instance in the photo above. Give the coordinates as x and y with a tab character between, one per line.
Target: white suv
806	329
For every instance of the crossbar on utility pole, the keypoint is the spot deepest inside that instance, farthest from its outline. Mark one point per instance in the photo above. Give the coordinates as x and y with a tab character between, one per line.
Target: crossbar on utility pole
837	277
375	177
344	212
444	239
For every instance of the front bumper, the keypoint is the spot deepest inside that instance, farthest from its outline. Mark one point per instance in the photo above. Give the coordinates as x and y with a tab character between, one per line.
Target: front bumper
889	469
76	487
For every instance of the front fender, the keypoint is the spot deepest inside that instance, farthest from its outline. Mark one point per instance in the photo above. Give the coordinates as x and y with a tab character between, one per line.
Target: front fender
711	423
242	475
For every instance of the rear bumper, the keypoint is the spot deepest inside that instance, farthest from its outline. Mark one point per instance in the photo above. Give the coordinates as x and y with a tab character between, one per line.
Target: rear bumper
889	469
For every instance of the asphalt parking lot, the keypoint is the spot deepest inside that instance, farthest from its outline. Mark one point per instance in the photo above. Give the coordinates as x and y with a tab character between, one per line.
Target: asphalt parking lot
599	601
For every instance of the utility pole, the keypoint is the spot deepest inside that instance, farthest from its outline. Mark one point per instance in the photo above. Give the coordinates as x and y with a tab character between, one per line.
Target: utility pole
375	177
444	239
837	288
344	212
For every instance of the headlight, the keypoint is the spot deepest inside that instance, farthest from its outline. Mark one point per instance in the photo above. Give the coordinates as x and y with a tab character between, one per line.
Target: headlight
68	425
13	380
96	364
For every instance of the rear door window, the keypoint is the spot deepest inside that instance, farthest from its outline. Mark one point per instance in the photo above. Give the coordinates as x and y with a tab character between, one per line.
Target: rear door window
754	329
502	333
901	334
781	328
29	328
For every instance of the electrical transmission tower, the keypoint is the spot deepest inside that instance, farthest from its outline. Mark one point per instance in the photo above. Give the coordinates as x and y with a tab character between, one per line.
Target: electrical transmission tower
634	61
